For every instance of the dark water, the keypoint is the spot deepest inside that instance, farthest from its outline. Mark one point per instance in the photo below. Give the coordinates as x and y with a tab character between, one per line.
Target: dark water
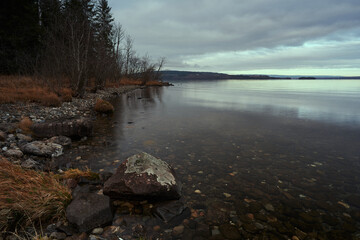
246	144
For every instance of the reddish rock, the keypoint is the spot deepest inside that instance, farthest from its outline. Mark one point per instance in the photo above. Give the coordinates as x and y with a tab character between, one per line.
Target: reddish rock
89	210
143	176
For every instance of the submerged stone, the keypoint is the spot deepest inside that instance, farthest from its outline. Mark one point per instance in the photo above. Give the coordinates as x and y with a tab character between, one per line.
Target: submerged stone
143	176
89	210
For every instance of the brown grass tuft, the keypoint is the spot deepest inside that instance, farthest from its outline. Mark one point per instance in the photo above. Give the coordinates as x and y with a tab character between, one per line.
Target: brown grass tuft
156	83
102	106
29	196
66	94
50	100
25	124
77	173
128	81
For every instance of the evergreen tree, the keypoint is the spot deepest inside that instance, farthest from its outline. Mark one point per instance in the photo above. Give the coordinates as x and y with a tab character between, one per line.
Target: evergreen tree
50	12
103	59
103	22
19	36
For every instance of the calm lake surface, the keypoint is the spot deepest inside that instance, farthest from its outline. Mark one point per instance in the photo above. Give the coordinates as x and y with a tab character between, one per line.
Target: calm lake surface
285	151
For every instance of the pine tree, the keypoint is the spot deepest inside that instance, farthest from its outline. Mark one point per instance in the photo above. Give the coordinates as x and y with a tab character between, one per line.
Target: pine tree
103	21
19	35
104	58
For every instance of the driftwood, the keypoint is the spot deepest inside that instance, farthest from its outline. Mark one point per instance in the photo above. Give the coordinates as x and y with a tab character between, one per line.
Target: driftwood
75	128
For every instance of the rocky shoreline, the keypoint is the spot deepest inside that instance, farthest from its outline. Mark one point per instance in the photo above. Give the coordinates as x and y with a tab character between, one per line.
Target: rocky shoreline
78	107
13	139
115	219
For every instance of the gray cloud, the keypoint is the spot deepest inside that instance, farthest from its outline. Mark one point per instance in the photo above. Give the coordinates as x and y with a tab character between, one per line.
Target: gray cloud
187	29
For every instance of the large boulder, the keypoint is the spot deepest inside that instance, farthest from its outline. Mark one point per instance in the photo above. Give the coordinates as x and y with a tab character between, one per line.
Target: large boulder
143	176
43	149
76	128
89	210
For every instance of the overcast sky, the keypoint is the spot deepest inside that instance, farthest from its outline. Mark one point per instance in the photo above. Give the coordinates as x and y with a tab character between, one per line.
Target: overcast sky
308	37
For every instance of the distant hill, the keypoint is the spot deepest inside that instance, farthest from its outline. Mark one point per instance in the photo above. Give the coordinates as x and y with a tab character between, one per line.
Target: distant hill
186	75
170	75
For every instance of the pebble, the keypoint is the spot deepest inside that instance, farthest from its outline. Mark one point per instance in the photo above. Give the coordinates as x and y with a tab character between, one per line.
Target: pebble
97	231
345	205
215	231
178	230
156	228
269	207
58	235
250	216
227	195
93	237
259	226
197	191
230	231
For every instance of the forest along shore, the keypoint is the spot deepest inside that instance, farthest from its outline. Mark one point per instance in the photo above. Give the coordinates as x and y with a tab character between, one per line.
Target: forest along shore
15	119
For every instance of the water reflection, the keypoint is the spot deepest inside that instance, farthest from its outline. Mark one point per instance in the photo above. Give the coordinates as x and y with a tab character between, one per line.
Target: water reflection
325	100
241	143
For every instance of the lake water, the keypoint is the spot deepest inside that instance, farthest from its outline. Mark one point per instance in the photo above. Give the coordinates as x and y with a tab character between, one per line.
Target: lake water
271	157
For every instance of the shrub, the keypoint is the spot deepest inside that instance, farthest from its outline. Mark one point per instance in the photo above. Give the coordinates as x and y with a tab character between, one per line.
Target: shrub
28	197
25	124
102	106
50	100
66	95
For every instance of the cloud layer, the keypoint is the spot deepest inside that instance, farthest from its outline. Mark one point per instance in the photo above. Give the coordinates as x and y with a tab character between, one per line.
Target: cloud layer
244	36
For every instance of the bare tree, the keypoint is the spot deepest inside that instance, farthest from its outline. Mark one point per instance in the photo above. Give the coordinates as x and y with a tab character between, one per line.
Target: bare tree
160	65
118	37
129	54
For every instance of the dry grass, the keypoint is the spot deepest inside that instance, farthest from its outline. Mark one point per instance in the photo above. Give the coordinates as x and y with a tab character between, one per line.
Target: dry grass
66	94
128	81
26	89
50	100
102	106
30	89
154	83
77	173
25	124
28	197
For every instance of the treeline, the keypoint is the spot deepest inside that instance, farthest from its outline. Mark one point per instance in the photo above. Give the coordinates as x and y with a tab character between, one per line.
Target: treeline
69	42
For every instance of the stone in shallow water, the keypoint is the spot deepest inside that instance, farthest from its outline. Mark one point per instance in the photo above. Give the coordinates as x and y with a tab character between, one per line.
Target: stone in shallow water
89	211
173	212
143	176
230	231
